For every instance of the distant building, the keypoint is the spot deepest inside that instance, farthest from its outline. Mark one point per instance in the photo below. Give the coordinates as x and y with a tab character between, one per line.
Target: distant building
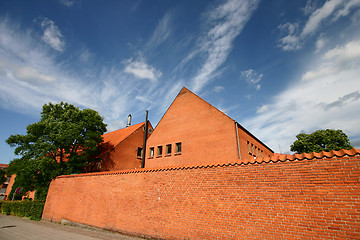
194	132
4	185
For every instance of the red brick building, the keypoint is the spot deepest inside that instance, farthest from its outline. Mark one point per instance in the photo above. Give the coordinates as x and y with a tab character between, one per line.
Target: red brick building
123	148
194	132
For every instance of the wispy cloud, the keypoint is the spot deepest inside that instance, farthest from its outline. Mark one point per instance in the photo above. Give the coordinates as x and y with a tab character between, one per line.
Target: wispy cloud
262	109
218	88
252	78
331	11
326	96
320	15
354	96
225	24
31	76
67	3
52	35
291	40
140	69
162	31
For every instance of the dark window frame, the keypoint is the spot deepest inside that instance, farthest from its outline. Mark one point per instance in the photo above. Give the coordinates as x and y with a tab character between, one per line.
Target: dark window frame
168	149
159	151
178	147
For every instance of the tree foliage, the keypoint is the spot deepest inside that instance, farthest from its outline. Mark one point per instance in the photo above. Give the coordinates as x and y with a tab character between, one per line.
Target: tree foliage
2	176
64	141
321	140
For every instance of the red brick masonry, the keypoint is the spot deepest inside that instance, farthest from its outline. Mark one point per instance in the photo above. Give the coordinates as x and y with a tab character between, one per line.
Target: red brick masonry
279	198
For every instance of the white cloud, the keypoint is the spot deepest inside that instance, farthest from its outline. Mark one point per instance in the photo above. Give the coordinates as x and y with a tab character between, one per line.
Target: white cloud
85	55
346	10
140	69
30	76
320	15
143	99
344	53
162	31
226	23
252	78
320	43
218	88
290	41
262	109
67	3
309	7
326	96
25	74
327	14
52	35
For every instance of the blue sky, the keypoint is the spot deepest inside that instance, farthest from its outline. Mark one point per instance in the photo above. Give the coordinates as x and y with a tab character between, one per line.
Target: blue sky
277	67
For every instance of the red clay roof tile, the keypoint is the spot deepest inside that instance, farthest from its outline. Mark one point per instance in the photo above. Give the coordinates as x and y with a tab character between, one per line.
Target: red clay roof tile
116	137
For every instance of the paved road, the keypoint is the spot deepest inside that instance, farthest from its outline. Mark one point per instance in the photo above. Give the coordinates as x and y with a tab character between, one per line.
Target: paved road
16	228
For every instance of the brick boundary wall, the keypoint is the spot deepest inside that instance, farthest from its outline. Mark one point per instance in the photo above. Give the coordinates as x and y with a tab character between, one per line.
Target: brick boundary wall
300	199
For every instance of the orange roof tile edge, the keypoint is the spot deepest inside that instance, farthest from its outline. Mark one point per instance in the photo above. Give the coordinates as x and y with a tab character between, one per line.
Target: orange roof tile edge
117	136
275	158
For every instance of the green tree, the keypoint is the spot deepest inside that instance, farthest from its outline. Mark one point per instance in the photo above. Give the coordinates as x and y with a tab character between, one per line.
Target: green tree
2	176
321	140
66	140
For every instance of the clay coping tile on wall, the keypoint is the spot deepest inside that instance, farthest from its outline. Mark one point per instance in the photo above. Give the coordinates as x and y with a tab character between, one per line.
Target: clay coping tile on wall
275	158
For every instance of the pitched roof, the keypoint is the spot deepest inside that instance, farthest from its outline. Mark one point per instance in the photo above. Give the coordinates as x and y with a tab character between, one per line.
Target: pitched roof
277	157
3	165
116	137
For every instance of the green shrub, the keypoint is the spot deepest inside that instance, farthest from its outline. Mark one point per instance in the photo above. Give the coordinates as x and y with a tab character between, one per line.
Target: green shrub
28	209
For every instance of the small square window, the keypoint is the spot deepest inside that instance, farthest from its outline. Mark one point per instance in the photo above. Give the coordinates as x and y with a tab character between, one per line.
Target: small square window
178	147
168	149
151	153
159	150
139	152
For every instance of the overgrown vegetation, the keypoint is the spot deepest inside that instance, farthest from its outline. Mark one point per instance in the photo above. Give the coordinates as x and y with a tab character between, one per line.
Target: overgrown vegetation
27	208
66	140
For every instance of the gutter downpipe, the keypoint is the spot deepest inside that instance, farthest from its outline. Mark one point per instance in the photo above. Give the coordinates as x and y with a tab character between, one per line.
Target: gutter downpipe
237	138
145	138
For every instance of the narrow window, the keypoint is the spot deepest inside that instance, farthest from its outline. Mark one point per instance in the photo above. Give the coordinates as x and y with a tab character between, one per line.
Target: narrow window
159	150
252	149
248	145
168	149
151	152
139	152
178	147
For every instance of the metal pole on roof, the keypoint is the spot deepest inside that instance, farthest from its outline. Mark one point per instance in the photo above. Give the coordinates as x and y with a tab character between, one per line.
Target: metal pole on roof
145	138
